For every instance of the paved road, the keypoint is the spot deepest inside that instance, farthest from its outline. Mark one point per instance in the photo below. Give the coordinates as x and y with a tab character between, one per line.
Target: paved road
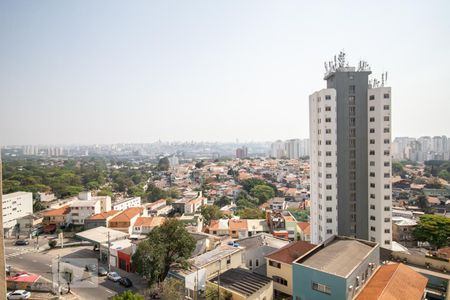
28	259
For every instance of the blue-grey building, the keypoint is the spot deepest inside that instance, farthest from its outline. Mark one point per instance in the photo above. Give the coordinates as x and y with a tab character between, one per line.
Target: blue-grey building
335	269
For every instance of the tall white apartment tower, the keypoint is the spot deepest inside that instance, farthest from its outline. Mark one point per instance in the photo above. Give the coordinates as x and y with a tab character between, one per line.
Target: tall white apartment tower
350	152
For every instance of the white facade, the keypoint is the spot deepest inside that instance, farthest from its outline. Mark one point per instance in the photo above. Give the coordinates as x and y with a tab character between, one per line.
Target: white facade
323	160
127	203
379	169
83	209
15	206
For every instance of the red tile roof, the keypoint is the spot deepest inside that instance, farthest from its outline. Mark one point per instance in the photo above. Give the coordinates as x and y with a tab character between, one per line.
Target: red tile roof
127	214
57	212
104	215
149	221
291	252
394	281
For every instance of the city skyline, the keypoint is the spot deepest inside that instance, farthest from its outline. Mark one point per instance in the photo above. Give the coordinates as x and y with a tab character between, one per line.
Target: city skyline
186	71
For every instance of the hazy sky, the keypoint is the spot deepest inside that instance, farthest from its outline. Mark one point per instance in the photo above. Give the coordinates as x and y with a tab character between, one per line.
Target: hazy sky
139	71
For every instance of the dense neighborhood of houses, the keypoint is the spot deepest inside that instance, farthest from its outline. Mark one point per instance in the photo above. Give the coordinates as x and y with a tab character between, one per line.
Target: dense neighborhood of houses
265	257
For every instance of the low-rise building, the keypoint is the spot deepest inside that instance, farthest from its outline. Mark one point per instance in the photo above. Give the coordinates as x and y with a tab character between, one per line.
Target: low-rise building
127	203
402	231
279	266
56	216
101	219
394	281
124	221
219	227
144	225
255	249
15	205
238	228
244	285
336	269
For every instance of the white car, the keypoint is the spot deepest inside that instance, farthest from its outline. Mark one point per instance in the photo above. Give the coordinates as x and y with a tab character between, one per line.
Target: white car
18	294
113	276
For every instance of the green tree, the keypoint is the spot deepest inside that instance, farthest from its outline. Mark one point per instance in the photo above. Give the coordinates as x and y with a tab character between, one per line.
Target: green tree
251	213
244	200
397	169
106	191
163	164
52	244
200	164
433	229
155	193
210	212
262	192
170	289
166	245
222	201
128	295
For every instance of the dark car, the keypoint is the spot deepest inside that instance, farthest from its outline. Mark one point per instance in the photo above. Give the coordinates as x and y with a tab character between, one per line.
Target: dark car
22	242
125	282
102	271
91	268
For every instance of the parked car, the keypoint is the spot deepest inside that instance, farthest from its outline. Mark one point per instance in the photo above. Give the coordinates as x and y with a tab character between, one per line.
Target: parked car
18	294
22	242
126	282
90	268
113	276
102	271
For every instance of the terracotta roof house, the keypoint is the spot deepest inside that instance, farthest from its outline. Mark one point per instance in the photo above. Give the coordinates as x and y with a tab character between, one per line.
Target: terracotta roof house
124	221
101	219
144	225
56	216
238	228
279	266
394	281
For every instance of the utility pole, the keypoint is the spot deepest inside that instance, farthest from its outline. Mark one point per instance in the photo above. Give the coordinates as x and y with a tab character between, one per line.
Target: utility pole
109	252
58	292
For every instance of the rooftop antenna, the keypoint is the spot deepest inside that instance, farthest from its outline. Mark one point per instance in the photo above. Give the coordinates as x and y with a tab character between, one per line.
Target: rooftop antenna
326	67
385	76
382	79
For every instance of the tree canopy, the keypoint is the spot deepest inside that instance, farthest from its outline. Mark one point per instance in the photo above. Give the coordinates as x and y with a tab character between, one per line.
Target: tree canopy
163	164
262	193
251	213
166	245
210	212
128	295
434	229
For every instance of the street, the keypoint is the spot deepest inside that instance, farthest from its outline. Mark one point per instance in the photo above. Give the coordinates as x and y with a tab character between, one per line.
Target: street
27	258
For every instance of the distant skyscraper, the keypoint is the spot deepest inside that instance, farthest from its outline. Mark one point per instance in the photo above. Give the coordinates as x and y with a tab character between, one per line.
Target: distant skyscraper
242	152
350	141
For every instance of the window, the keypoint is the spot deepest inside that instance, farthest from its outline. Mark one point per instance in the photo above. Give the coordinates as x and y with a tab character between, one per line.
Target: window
372	130
386	118
372	218
372	97
372	206
328	176
387	220
387	186
327	142
228	260
329	231
328	120
387	141
372	119
352	132
352	154
352	110
329	198
387	175
257	263
386	152
386	96
352	143
386	107
327	108
329	209
321	287
387	208
327	130
372	108
274	264
372	185
328	153
372	152
372	142
329	187
352	121
328	165
372	228
372	164
386	130
351	100
279	280
387	231
327	97
351	89
387	242
250	263
372	196
387	197
329	220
